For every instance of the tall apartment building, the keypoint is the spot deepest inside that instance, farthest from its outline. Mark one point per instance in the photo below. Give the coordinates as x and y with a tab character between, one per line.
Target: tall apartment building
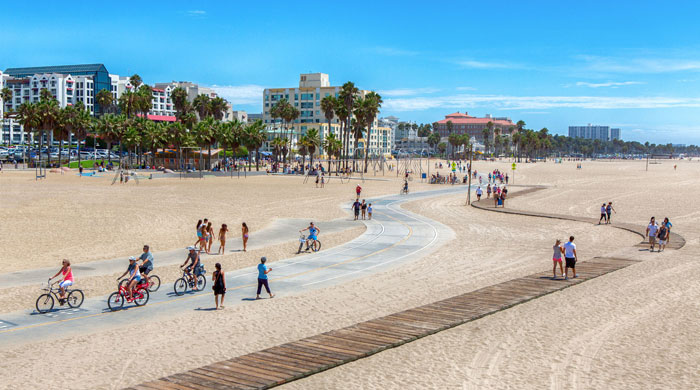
474	126
67	89
307	99
603	133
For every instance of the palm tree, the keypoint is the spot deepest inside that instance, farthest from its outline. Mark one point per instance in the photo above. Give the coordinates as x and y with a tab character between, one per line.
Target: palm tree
485	133
217	107
201	104
179	98
290	114
449	129
81	124
332	146
328	104
278	144
358	133
433	140
229	134
347	96
105	100
342	113
135	81
49	116
107	127
28	117
454	141
302	145
254	138
204	134
313	141
373	102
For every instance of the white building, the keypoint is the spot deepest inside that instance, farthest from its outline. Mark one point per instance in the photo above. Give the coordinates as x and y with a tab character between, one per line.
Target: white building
307	99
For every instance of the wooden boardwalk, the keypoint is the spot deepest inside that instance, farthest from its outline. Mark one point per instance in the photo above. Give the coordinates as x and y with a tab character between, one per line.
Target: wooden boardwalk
291	361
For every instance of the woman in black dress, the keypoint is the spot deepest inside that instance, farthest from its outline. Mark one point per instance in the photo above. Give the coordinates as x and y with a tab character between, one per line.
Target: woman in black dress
219	287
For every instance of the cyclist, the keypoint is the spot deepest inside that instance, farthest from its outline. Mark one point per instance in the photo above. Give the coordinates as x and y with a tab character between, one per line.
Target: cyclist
146	262
193	258
405	186
313	234
67	273
134	277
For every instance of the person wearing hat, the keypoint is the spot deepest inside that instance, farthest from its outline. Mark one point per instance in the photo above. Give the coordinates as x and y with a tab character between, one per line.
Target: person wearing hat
193	258
134	277
263	270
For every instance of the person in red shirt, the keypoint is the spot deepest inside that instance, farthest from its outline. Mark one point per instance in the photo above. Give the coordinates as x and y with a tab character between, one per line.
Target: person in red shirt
358	190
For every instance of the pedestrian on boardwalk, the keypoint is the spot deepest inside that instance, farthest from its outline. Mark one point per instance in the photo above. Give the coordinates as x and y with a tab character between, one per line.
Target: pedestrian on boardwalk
358	190
244	235
263	270
318	179
488	191
222	239
369	210
479	192
219	281
364	209
203	238
652	230
603	214
663	237
323	180
199	232
609	210
668	225
571	258
506	178
210	237
356	208
556	259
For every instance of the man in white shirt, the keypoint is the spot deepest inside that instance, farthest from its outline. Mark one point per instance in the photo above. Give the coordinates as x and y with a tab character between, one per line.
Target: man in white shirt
479	192
571	257
652	229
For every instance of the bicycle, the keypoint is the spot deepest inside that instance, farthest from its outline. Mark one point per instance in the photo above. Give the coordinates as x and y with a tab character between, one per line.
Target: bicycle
403	191
195	283
153	282
140	296
45	302
315	245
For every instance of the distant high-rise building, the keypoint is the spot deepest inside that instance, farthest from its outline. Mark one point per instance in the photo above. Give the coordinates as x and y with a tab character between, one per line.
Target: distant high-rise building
603	133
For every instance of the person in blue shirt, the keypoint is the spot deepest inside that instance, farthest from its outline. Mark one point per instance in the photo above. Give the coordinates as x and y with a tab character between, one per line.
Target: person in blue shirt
146	262
313	233
668	225
263	270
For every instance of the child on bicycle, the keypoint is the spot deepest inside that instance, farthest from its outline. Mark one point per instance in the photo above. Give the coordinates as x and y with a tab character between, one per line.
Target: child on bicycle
134	277
67	273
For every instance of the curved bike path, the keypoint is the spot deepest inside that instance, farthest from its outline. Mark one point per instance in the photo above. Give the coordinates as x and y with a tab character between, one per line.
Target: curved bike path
394	236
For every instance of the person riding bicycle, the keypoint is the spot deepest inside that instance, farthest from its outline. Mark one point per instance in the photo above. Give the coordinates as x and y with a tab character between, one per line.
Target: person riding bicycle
67	273
146	262
134	277
193	259
313	234
405	186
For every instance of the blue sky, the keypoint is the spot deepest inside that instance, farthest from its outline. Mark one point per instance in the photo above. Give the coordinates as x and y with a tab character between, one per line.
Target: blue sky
634	65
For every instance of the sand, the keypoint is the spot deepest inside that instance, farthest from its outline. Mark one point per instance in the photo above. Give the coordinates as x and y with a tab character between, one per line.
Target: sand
634	328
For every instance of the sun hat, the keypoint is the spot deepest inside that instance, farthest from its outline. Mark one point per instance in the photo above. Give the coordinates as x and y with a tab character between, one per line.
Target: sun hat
131	258
190	248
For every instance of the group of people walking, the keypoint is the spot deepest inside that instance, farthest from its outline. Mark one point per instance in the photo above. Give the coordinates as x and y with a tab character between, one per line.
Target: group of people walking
606	211
660	234
206	236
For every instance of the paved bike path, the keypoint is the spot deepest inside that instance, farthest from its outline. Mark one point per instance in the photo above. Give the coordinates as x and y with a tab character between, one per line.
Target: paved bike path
393	237
278	232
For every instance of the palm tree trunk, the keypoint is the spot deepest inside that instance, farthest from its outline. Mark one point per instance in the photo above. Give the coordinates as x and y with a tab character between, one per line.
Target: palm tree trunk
257	159
109	149
60	151
79	161
209	157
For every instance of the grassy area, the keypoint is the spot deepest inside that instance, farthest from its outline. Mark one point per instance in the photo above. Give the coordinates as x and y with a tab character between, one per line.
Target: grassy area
88	163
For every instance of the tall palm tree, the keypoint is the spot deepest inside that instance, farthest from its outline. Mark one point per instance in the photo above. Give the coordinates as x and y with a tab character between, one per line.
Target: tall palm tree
449	129
108	127
254	138
28	116
204	134
347	95
313	141
105	100
290	114
332	145
358	133
217	108
179	98
328	104
434	140
278	144
201	104
341	111
302	145
373	102
49	115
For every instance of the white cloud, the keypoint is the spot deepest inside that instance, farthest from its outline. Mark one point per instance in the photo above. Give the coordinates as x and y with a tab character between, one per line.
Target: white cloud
240	94
536	103
196	12
485	65
407	91
612	84
639	65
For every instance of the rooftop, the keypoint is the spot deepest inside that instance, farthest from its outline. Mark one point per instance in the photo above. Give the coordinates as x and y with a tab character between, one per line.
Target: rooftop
63	69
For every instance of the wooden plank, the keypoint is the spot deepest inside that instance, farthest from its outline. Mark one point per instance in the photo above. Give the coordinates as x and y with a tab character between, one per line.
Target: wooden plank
240	372
292	362
192	380
356	337
349	352
244	367
320	352
389	329
343	343
377	335
265	363
389	324
181	383
242	379
212	380
297	353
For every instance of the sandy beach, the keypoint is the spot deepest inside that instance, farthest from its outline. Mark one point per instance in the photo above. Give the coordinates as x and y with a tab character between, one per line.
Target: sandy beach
633	328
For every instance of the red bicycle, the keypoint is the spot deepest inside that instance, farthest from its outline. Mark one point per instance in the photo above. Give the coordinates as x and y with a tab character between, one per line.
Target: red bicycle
140	296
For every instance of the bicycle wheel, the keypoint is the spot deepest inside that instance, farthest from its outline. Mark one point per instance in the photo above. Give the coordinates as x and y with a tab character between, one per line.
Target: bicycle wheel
201	283
75	298
122	283
301	245
141	297
115	301
316	246
180	286
44	303
153	283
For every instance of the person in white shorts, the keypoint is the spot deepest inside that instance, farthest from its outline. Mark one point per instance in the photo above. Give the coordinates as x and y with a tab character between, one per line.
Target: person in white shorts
652	230
571	257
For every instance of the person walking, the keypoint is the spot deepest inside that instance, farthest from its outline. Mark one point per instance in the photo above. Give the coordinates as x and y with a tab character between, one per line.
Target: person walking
210	237
571	257
356	208
364	209
662	236
556	259
603	214
609	210
263	270
323	180
244	235
358	190
479	192
222	239
668	225
488	191
219	287
652	230
369	211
